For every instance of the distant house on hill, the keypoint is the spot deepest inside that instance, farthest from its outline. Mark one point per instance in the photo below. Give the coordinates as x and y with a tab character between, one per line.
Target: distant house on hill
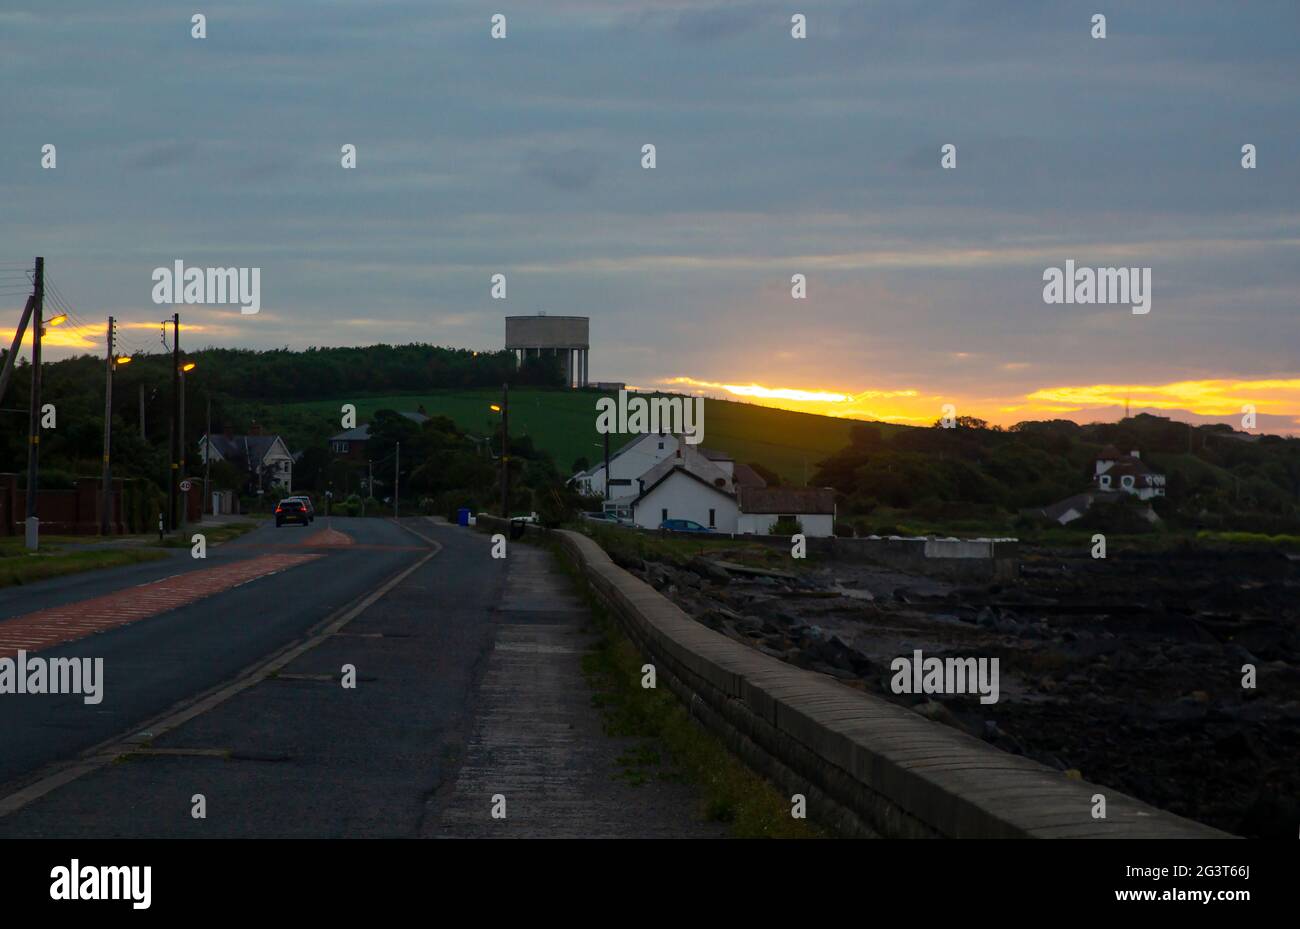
1127	474
1114	474
264	459
350	444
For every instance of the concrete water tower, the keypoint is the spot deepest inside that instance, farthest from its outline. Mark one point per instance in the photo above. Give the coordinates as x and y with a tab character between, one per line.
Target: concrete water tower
567	337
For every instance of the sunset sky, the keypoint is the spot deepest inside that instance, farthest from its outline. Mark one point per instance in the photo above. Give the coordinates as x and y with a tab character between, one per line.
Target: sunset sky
775	156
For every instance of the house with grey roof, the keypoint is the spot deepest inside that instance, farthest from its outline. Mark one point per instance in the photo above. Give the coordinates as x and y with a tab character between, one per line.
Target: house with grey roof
350	444
265	459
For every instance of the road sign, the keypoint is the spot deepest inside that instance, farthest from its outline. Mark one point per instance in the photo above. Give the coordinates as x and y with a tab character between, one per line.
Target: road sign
186	485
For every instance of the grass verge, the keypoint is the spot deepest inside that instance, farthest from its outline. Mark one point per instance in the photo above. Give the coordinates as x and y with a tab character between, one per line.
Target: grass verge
215	535
27	569
731	793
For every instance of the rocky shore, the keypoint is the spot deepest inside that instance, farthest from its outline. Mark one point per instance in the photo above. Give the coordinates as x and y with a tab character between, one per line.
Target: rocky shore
1126	671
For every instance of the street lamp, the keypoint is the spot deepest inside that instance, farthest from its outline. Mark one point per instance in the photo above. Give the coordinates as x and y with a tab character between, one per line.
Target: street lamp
504	409
186	366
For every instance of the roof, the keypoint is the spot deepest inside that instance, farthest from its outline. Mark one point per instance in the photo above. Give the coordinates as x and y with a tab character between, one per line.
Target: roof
793	500
713	454
625	447
694	461
1079	503
246	448
356	434
362	433
677	468
745	476
1130	466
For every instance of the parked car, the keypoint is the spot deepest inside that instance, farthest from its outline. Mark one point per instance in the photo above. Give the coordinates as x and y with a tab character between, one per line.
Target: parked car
682	525
610	518
306	501
291	510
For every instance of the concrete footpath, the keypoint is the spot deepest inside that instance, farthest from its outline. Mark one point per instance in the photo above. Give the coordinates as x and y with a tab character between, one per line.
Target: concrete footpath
537	741
468	686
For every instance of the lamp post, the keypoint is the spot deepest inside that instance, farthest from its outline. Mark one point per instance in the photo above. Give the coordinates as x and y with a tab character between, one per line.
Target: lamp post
180	373
504	410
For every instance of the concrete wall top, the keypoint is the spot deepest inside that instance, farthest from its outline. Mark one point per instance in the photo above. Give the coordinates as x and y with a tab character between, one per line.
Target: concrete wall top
548	332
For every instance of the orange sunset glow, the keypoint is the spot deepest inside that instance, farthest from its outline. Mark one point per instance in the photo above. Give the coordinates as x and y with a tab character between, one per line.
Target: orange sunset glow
1221	397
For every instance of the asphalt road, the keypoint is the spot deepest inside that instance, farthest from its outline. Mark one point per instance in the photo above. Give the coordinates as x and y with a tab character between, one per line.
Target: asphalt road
152	663
468	687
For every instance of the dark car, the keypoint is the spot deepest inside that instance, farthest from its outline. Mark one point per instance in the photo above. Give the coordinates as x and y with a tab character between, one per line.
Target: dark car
291	511
682	525
306	501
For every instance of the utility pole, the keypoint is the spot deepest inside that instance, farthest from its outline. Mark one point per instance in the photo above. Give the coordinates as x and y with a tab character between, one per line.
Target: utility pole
34	421
176	415
142	435
207	459
397	477
505	450
606	465
12	358
105	509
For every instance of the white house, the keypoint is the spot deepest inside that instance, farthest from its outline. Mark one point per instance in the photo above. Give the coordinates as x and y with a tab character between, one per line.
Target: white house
688	485
1127	474
631	461
265	459
762	507
709	488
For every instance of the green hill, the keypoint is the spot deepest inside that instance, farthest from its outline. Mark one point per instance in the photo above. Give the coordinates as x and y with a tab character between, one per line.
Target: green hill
563	422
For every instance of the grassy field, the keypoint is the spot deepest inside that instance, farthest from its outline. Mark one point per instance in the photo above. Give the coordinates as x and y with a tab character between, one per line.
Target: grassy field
563	422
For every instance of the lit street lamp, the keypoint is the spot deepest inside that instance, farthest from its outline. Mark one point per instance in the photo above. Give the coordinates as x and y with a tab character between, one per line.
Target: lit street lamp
186	366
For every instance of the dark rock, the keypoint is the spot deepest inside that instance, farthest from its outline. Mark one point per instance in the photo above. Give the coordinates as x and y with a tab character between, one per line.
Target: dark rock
708	570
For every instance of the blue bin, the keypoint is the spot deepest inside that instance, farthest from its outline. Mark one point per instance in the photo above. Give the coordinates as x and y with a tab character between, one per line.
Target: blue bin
462	516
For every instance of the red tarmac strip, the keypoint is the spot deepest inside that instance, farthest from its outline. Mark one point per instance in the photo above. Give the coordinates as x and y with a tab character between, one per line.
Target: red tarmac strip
32	632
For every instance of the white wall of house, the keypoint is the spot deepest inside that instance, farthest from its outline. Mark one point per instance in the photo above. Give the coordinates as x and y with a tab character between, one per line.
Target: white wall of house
277	467
684	497
817	525
646	452
1130	484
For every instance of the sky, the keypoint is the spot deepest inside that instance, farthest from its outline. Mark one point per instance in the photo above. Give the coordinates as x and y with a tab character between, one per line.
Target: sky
774	156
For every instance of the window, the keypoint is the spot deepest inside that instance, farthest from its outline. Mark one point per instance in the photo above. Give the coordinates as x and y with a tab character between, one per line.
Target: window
664	517
620	481
661	446
1126	480
1105	480
786	518
340	448
712	524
